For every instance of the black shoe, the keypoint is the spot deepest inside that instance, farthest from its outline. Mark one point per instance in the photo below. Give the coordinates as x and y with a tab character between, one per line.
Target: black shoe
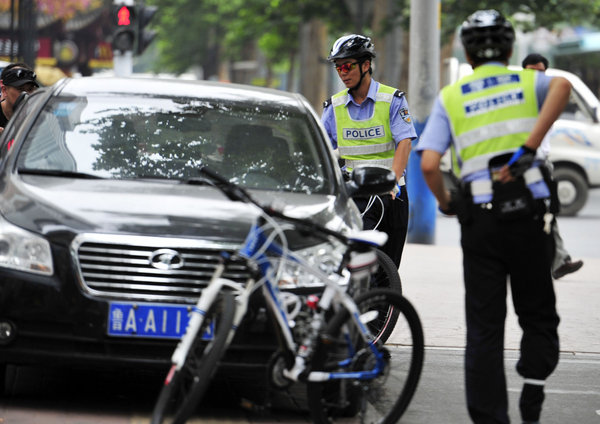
566	268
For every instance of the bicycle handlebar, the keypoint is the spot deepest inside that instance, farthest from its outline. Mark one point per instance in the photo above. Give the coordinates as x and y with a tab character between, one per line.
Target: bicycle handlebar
237	193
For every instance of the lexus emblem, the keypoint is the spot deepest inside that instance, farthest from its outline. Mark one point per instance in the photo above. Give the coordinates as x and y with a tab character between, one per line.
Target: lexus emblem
166	259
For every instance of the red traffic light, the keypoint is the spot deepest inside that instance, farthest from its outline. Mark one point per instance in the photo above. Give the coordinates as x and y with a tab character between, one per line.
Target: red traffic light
124	16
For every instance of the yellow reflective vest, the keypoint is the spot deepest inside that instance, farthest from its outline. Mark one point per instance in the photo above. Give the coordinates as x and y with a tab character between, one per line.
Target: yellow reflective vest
491	112
365	142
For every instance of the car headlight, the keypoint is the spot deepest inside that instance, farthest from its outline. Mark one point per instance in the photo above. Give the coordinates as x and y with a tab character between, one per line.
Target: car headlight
325	257
24	251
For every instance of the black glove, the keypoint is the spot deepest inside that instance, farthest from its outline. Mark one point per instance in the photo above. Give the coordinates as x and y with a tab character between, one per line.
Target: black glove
521	161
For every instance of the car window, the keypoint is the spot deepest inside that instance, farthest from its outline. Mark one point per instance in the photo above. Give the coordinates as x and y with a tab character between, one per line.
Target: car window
265	146
576	109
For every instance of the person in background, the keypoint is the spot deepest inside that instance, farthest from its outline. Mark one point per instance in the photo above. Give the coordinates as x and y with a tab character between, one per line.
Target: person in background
495	119
369	124
15	79
562	263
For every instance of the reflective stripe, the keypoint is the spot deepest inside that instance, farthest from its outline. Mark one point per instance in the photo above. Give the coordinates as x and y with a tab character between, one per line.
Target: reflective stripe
498	129
534	382
480	162
384	97
481	187
533	175
338	101
366	149
384	163
379	97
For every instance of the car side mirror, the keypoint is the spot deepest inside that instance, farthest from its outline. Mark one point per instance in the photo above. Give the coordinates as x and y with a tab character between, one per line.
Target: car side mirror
370	181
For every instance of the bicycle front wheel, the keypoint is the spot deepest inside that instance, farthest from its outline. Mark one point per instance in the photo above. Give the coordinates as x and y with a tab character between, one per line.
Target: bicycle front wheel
386	277
380	399
183	389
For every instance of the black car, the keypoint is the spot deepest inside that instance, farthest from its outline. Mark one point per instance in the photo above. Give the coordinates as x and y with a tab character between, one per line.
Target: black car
107	233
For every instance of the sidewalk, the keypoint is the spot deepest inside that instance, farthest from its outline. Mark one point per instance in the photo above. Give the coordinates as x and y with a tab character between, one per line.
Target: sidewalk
432	280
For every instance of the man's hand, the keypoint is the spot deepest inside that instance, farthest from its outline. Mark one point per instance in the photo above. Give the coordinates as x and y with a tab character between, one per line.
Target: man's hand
520	162
445	205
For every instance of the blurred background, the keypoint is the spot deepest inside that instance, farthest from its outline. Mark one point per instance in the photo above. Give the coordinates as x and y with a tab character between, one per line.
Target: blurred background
277	43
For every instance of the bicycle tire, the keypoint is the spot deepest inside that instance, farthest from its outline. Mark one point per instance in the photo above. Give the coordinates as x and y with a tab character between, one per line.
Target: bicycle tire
386	276
384	398
180	395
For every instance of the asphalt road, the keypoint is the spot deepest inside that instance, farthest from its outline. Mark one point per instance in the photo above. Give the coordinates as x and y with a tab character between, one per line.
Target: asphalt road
432	281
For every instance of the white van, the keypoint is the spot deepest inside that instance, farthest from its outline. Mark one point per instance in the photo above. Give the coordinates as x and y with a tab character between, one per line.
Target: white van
574	140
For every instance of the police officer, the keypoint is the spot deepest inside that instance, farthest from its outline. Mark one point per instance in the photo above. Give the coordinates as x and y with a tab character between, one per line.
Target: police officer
495	119
369	124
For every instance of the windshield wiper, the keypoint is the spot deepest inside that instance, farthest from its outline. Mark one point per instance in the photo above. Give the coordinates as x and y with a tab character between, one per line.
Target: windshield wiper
197	181
58	173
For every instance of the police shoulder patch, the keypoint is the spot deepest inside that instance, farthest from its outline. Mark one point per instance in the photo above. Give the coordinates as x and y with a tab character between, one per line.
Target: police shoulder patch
404	114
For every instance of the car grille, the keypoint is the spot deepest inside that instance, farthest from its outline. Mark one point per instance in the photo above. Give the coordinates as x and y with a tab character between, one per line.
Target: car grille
149	268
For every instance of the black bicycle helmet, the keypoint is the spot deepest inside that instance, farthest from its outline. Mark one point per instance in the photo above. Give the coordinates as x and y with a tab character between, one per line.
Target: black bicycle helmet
353	45
487	35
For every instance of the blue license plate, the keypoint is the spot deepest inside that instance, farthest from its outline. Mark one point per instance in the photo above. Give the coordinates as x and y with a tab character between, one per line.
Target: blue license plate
149	320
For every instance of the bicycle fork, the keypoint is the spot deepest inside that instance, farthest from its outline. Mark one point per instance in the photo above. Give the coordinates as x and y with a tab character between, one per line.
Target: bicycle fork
207	298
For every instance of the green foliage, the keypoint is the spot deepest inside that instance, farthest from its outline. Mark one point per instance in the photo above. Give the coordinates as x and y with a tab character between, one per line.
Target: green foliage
193	32
189	29
525	14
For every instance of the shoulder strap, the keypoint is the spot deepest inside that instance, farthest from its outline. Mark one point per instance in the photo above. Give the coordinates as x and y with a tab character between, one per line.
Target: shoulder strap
399	93
326	103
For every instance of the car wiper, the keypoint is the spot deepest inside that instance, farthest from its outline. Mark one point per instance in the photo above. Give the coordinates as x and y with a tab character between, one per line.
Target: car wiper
197	181
58	173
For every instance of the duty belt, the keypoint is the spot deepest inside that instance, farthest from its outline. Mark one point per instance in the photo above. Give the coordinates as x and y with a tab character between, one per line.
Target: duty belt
384	163
483	187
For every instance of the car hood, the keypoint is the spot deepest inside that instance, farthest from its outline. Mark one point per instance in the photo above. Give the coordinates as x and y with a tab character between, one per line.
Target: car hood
45	204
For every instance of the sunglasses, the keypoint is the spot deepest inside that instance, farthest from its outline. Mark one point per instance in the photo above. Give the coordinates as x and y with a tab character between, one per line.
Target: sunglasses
346	67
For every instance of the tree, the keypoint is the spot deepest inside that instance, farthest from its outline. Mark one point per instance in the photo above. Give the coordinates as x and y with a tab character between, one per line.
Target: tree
212	32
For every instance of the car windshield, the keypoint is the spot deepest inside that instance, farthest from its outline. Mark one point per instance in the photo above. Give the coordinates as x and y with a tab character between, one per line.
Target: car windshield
263	146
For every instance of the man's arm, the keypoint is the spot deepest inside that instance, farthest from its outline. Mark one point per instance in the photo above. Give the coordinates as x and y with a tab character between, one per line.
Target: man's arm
556	100
430	166
401	157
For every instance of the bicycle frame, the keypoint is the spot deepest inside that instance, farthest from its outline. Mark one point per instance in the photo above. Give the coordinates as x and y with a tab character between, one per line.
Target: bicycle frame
257	246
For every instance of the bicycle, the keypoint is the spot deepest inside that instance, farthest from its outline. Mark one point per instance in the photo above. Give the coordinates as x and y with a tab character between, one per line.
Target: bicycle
324	341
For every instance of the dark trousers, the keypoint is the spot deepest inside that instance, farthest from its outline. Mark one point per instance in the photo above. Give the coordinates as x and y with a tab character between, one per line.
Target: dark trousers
492	251
394	221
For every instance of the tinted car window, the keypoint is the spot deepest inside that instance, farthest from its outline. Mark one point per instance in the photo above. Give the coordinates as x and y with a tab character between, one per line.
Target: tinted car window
128	137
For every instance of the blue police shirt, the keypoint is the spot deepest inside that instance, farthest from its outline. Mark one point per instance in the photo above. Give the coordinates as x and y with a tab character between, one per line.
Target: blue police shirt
437	135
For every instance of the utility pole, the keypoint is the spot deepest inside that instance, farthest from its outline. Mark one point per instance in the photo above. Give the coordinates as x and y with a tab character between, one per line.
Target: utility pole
423	87
123	57
27	32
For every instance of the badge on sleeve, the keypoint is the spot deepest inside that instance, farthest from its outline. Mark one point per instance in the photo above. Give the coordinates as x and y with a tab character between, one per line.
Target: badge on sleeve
405	115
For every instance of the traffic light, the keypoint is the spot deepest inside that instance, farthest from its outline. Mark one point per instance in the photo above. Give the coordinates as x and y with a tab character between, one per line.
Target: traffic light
145	36
125	26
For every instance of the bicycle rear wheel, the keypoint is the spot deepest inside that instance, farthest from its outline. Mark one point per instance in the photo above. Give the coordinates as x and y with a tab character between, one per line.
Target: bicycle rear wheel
382	399
182	392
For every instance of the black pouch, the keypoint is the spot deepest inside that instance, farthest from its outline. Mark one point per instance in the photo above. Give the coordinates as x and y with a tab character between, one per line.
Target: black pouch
461	203
513	200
